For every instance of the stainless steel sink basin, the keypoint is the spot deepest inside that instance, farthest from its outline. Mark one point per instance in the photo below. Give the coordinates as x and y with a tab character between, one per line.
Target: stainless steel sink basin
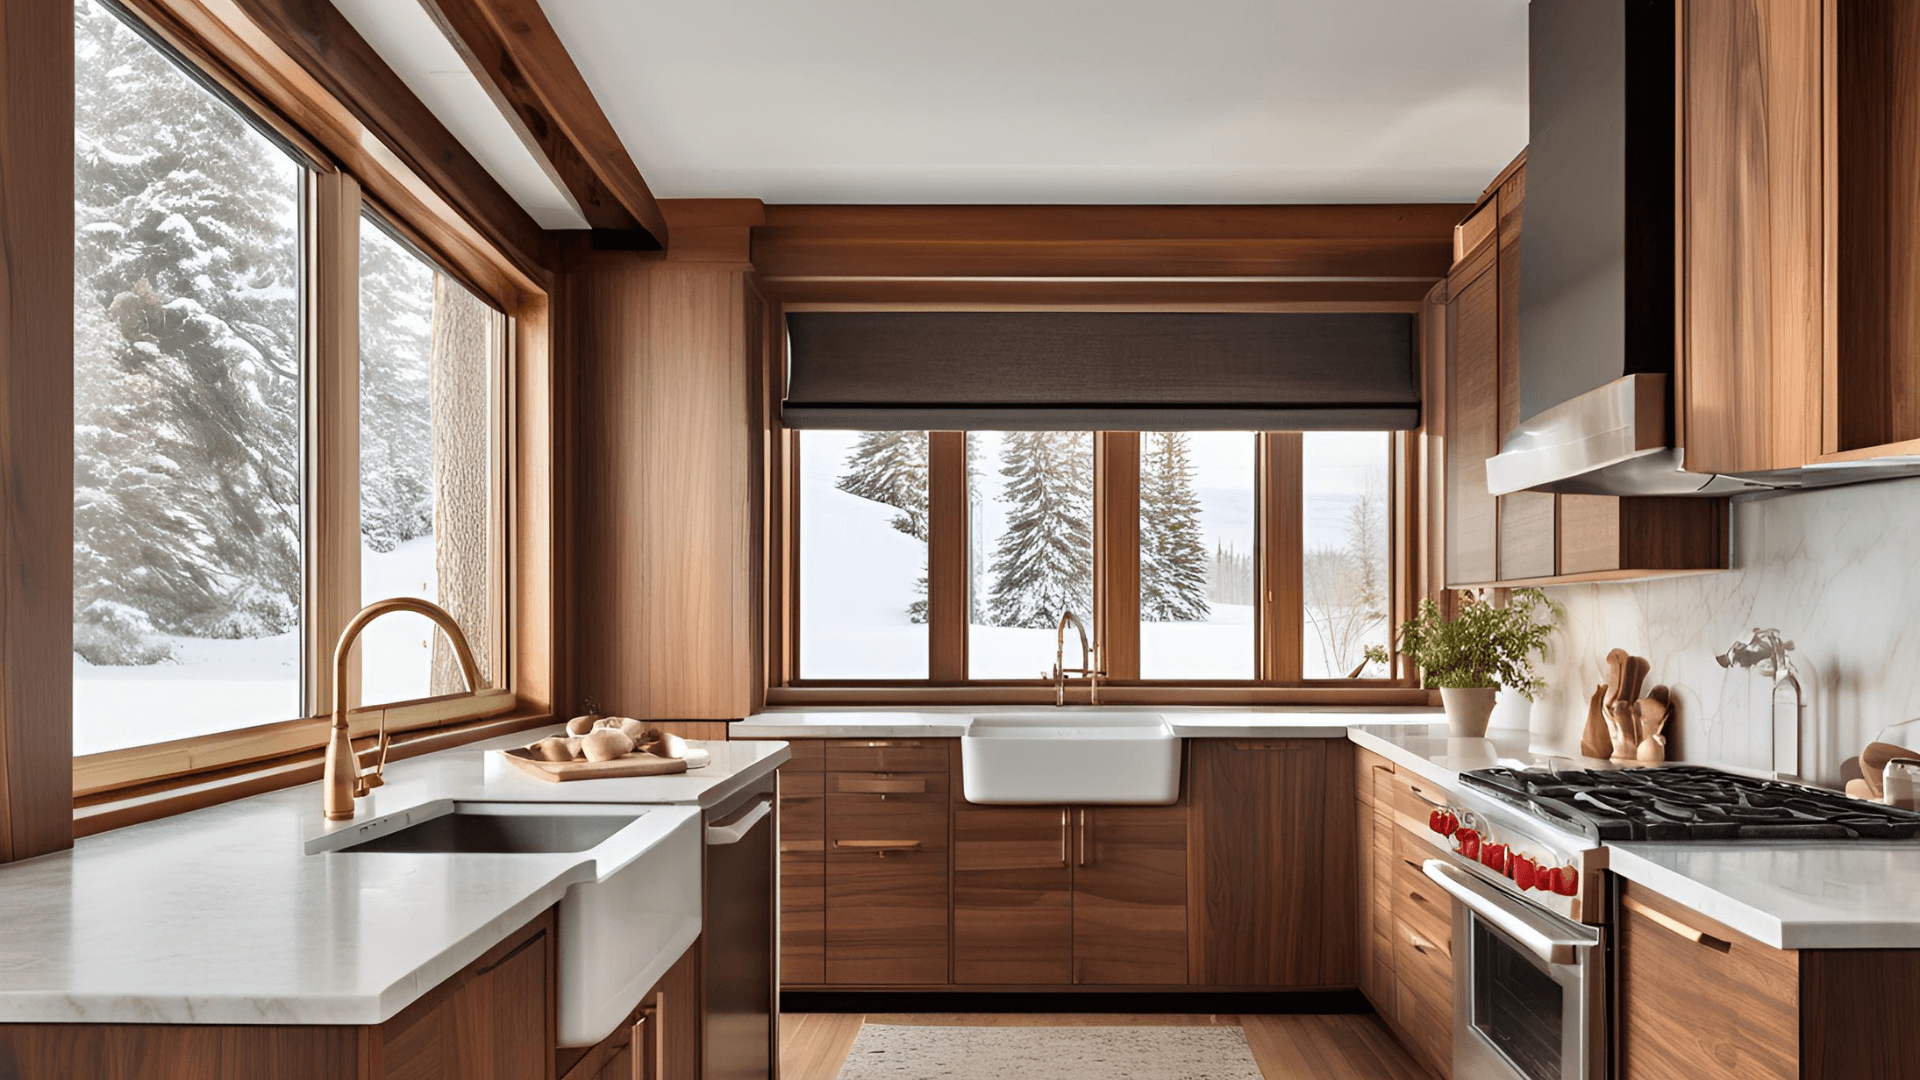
469	831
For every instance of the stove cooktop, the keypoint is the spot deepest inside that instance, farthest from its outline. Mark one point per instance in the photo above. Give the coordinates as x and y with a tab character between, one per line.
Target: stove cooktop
1688	802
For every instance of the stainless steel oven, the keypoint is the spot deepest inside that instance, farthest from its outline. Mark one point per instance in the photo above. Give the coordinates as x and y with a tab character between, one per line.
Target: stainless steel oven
1529	987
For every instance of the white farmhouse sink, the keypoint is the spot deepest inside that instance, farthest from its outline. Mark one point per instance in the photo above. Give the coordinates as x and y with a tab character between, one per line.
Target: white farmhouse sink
1071	756
628	915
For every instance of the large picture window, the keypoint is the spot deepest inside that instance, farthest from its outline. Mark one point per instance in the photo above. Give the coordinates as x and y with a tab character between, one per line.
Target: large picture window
1191	557
188	397
222	373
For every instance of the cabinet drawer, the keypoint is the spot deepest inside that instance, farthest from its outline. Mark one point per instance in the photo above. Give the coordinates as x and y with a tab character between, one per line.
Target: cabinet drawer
872	824
886	783
1428	1026
1416	899
1413	799
887	755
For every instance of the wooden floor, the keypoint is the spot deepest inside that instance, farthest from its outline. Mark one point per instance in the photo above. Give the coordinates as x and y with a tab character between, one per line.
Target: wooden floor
813	1046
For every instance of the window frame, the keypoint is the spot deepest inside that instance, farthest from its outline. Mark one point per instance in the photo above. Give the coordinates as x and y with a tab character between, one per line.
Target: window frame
341	179
1279	619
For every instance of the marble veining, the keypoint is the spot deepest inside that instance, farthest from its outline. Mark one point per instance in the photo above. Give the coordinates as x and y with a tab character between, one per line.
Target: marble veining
1833	570
219	917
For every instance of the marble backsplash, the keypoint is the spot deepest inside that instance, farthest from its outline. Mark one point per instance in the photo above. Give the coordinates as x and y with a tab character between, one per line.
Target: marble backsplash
1833	570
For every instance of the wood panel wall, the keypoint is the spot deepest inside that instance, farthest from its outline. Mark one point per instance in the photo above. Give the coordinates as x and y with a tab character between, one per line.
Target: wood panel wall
36	428
665	488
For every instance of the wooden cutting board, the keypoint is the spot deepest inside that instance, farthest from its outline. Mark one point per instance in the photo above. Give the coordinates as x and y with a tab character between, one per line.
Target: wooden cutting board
556	771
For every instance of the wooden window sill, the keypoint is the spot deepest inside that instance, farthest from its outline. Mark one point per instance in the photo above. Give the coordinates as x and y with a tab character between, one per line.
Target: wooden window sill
1327	694
167	796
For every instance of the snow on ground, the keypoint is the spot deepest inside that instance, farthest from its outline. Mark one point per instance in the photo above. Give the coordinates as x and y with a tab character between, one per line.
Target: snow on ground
858	576
215	685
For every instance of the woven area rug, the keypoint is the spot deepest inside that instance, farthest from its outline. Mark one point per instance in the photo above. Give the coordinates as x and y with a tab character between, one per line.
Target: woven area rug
900	1052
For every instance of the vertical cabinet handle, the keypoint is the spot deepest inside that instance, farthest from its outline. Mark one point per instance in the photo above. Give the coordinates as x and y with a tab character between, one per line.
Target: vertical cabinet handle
1063	836
637	1047
1083	836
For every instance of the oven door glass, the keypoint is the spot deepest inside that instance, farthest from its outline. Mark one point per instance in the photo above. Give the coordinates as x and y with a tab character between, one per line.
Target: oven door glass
1516	1005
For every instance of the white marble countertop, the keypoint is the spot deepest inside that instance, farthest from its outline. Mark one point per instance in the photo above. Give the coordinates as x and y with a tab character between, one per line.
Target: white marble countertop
219	917
1790	894
1188	722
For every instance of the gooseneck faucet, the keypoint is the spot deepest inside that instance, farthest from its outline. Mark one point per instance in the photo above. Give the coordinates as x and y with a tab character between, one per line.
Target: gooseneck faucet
1090	664
1767	653
342	782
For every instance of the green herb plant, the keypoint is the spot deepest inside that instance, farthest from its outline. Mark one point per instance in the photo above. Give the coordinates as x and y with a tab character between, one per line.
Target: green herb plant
1483	646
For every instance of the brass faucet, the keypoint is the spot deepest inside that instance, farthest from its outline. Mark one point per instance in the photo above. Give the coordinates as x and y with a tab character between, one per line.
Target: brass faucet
342	781
1090	664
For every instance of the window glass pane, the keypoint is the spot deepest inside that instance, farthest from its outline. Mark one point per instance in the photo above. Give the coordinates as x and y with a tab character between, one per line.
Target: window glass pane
1348	580
1030	548
187	404
426	359
863	554
1196	555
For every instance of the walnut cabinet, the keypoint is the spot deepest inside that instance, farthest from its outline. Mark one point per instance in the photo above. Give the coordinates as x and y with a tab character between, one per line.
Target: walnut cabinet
1531	537
891	879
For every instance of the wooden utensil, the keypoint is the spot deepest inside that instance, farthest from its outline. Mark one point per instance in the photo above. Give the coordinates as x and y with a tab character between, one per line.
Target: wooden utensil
1858	789
1652	713
528	761
1625	733
1616	676
1595	742
1637	669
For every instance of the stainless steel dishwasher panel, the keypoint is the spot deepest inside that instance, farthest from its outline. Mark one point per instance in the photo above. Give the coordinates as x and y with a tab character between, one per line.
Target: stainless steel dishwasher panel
738	938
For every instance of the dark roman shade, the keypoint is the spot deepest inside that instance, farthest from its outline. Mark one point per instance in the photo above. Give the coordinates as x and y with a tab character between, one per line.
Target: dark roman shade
1117	371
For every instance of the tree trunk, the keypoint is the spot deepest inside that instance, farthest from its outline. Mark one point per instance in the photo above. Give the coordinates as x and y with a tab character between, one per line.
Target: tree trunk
459	385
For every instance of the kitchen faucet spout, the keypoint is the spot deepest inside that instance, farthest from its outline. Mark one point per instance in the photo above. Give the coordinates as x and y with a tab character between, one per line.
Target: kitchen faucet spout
1090	662
342	782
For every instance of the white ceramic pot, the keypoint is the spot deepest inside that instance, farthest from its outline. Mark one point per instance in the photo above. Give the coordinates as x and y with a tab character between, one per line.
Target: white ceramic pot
1467	710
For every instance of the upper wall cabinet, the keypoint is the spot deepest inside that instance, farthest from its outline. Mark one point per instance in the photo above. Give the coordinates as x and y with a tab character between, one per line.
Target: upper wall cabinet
1532	537
1800	232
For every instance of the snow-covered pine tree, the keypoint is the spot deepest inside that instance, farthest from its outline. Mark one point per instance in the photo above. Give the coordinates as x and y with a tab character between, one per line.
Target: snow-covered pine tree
890	468
186	367
1173	560
396	422
1045	560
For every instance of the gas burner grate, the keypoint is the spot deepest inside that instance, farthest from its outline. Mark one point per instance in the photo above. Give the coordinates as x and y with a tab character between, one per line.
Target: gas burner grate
1689	802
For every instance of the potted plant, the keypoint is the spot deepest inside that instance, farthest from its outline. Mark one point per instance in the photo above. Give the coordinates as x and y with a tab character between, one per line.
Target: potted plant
1472	655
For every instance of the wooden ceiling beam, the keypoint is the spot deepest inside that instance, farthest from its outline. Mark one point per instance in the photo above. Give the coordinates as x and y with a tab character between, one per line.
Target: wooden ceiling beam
513	50
332	54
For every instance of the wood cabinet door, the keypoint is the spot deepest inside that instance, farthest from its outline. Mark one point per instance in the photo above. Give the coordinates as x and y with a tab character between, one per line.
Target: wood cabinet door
1699	1001
1274	858
1752	238
493	1021
887	888
1473	426
1130	895
1012	895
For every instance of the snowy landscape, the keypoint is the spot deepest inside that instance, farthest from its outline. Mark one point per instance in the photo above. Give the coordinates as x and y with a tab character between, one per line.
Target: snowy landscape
188	560
863	552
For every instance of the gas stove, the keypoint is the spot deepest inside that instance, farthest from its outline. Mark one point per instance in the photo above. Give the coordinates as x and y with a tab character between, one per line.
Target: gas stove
1686	802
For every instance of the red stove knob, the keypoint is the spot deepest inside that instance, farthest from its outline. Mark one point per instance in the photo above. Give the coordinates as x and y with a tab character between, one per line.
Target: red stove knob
1494	857
1443	822
1469	843
1525	873
1567	881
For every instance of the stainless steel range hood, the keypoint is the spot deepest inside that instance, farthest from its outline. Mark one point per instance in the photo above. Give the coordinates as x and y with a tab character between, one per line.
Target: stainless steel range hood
1596	303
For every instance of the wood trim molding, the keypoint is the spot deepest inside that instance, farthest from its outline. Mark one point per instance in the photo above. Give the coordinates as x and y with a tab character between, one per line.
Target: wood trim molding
1381	243
333	421
1282	569
36	427
178	795
1320	695
519	59
1116	542
947	556
321	81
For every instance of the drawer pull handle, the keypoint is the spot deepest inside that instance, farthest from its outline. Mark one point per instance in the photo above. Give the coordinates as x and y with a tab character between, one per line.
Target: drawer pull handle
792	847
1417	898
1675	926
873	785
878	847
1418	794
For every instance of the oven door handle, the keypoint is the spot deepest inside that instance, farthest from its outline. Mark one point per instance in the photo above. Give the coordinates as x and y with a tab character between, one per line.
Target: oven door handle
1498	912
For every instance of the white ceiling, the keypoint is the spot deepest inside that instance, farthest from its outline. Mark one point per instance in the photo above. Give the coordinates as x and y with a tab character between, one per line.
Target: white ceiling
1128	101
1011	101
